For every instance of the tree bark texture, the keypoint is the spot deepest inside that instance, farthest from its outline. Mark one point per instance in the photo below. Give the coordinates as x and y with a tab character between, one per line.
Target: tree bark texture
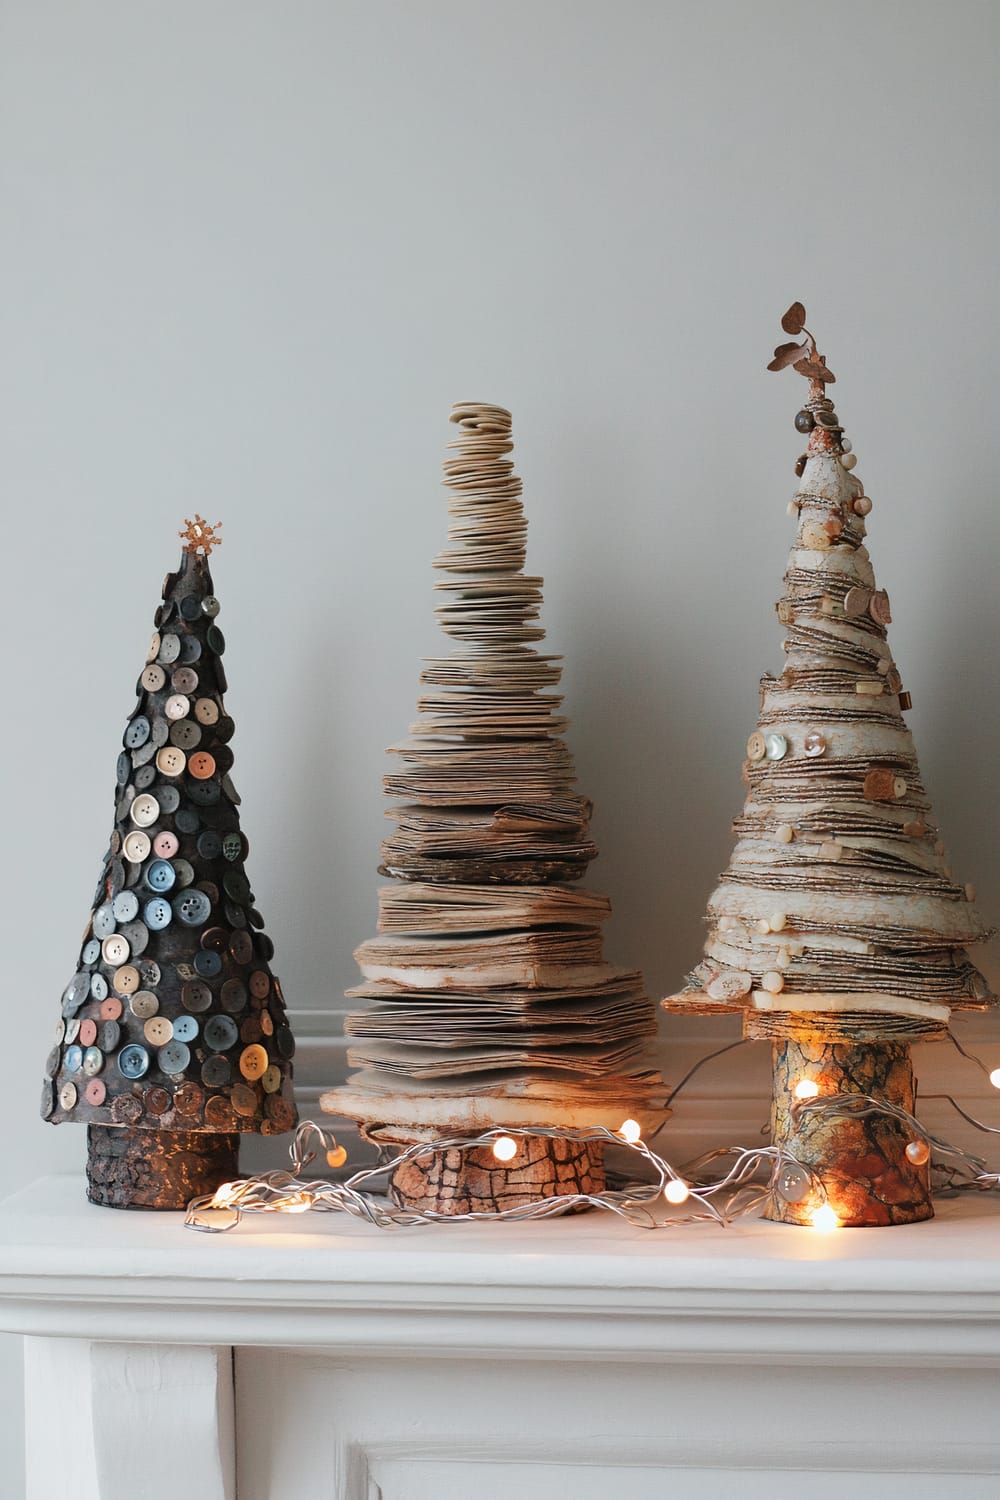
162	1169
474	1181
863	1165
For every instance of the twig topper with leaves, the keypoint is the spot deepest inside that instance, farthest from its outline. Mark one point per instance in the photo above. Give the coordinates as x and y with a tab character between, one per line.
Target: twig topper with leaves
802	357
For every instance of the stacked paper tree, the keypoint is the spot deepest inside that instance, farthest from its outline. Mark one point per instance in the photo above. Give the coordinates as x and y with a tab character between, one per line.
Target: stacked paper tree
838	929
489	1002
173	1039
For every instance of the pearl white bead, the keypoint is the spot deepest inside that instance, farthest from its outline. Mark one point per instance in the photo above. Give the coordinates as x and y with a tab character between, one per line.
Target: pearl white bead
848	460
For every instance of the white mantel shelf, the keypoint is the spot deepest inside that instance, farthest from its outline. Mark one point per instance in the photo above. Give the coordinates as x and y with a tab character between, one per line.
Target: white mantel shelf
308	1356
587	1286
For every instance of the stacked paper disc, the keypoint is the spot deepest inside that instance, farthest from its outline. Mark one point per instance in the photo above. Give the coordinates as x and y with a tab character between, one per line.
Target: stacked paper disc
488	997
838	902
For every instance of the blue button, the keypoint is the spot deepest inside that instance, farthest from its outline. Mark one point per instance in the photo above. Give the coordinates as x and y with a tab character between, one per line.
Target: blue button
133	1061
98	986
185	1029
174	1057
74	1059
160	875
215	639
91	952
125	906
203	793
157	914
137	732
190	607
187	820
220	1033
103	922
193	908
123	768
206	963
190	650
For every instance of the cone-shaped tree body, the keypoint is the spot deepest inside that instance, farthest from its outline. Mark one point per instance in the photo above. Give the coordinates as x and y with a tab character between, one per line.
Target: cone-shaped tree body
173	1020
838	899
489	1000
838	929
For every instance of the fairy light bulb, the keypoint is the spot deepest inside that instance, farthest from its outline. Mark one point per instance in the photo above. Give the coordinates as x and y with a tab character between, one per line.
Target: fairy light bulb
630	1131
824	1218
995	1078
806	1088
299	1203
336	1157
504	1148
918	1152
676	1191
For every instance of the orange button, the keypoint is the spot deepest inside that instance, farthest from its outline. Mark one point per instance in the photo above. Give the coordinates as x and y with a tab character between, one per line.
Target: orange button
201	765
111	1009
254	1061
88	1033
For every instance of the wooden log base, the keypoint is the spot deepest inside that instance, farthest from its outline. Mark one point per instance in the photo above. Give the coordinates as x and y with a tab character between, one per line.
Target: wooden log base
474	1181
159	1169
868	1177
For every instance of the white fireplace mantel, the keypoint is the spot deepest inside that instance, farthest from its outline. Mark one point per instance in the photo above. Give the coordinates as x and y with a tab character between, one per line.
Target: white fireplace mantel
500	1359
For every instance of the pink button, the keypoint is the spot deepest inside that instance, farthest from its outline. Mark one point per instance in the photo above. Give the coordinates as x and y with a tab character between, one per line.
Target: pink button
166	844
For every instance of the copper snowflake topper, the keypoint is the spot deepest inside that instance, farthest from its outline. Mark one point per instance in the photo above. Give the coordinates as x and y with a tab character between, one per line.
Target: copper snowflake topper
199	536
802	357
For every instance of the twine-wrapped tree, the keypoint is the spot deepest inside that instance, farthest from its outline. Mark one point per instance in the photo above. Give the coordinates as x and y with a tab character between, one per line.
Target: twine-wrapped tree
489	1003
838	929
173	1039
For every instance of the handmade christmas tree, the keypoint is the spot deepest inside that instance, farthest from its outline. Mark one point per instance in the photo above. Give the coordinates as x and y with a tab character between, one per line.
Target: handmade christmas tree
838	929
489	1000
173	1039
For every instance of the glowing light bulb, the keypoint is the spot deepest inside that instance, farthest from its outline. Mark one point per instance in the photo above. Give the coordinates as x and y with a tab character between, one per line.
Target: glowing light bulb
630	1131
995	1078
824	1218
918	1152
676	1191
806	1089
504	1148
336	1157
299	1204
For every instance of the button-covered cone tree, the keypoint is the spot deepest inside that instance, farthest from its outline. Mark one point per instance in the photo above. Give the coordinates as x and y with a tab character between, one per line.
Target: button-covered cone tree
838	928
489	1002
173	1039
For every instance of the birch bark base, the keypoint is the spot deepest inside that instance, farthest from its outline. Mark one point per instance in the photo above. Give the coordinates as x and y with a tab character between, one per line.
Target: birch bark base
461	1182
868	1177
159	1169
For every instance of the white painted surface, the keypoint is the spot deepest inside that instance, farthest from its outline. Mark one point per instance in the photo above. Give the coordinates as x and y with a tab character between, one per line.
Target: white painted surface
582	1355
251	253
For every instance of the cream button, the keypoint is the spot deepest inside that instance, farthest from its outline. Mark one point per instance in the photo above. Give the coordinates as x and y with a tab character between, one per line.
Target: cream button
899	787
154	647
166	844
136	847
67	1096
814	744
773	982
115	950
206	711
271	1079
756	746
830	849
777	921
153	678
158	1031
170	761
144	810
177	706
776	746
785	833
856	602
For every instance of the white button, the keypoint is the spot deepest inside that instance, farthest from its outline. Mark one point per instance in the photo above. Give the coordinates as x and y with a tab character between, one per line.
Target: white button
115	950
144	810
170	760
177	707
135	847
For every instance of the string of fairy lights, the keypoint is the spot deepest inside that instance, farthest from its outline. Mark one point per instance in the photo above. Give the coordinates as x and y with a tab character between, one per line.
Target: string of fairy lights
721	1187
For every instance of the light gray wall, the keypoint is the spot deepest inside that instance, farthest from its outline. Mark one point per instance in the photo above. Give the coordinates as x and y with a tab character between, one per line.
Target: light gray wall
250	254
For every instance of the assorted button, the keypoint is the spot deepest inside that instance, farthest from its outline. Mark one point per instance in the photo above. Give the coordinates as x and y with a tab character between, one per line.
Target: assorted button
170	761
144	810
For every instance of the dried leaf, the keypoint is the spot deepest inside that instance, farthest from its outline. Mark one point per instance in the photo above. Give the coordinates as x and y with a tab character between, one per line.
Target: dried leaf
795	318
815	369
787	354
